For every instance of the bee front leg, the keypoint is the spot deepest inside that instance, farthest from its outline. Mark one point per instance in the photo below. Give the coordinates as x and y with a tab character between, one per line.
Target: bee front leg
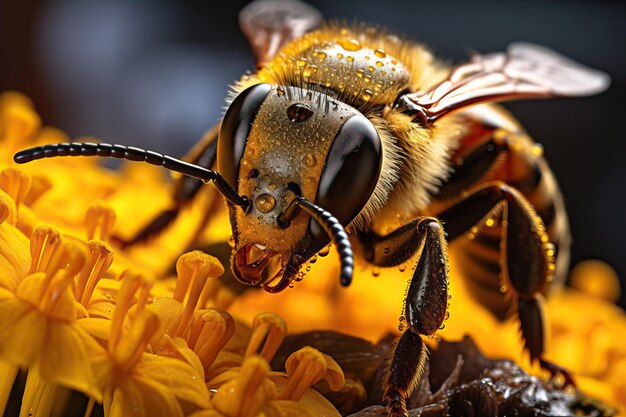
425	304
527	260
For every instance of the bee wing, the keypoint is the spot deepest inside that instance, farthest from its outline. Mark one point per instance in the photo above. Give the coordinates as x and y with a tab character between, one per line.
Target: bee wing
524	71
271	24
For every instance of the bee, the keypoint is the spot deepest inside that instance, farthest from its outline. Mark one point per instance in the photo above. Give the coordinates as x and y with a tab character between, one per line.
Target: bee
351	135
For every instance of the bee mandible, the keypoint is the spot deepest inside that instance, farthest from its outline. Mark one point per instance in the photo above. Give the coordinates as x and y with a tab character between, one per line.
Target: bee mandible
352	135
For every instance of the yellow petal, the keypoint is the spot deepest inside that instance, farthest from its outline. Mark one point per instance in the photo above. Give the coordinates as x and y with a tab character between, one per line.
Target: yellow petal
22	329
154	400
175	376
64	359
311	400
14	256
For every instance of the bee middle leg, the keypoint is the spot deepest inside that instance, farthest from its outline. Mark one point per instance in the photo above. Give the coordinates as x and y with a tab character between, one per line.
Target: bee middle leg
185	191
425	304
528	256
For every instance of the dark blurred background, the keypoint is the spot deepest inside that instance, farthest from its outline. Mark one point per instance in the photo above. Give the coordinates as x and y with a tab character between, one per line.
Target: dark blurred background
154	73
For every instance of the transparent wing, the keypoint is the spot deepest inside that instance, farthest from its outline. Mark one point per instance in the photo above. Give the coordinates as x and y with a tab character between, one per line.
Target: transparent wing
524	71
271	24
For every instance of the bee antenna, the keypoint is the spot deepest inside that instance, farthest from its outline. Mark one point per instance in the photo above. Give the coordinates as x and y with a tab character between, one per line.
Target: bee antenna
333	229
131	153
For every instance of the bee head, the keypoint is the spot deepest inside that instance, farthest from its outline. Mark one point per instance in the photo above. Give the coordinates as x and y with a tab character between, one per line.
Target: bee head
279	144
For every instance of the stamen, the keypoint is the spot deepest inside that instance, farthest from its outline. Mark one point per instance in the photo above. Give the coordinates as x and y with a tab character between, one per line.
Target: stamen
307	367
99	260
244	396
64	264
133	282
130	348
268	332
18	120
43	243
99	220
194	269
15	183
209	332
39	185
7	209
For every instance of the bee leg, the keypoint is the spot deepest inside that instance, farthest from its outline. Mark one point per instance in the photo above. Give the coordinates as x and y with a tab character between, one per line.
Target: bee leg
186	189
425	305
527	261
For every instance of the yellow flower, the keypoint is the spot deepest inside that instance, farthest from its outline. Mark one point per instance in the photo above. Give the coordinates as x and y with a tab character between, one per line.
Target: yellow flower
39	329
135	381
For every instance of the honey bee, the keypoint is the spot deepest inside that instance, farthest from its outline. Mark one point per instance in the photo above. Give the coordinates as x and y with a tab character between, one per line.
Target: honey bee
352	135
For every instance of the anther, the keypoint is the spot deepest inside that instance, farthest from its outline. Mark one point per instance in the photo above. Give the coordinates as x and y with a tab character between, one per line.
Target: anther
7	209
99	260
268	332
15	183
245	395
305	368
194	269
66	261
99	220
43	243
209	332
19	120
134	284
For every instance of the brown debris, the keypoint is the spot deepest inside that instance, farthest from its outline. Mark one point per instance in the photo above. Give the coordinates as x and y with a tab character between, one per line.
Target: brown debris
458	381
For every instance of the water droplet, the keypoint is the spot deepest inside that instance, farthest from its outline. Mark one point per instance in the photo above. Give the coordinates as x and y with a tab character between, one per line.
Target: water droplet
308	269
350	58
265	203
371	68
313	259
367	95
359	73
350	45
447	316
503	289
443	326
301	62
379	64
386	250
400	327
340	55
375	272
310	160
394	62
324	251
321	55
402	268
380	53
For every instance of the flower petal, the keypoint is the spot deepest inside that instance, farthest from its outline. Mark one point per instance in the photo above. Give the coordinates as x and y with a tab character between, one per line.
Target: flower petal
65	360
175	376
14	256
22	329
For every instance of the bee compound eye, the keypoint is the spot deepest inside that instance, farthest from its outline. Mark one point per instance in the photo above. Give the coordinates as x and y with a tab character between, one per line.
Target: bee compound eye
235	129
351	171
